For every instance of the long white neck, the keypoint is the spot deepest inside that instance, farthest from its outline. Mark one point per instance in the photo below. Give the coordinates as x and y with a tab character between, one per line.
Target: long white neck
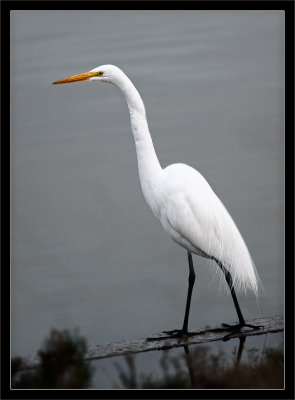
149	168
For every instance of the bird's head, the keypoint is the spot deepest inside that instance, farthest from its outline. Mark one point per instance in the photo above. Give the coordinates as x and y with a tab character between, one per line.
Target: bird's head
104	73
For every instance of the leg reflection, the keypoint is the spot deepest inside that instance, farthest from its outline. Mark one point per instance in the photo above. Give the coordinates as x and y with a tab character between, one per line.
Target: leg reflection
189	364
189	361
242	340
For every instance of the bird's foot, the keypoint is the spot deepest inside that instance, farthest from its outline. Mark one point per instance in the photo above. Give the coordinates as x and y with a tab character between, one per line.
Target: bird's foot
179	334
237	328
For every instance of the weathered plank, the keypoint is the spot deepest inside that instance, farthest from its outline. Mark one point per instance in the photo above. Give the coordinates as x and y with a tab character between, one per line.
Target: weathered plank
268	325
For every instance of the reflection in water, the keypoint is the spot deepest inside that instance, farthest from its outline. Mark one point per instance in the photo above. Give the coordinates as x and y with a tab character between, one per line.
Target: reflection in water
197	368
189	364
201	368
189	361
232	364
242	340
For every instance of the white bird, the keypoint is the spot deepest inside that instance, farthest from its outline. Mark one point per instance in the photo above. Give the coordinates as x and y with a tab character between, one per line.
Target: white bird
183	201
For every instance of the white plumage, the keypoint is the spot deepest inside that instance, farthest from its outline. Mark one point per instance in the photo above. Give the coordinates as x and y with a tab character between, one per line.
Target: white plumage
181	198
194	217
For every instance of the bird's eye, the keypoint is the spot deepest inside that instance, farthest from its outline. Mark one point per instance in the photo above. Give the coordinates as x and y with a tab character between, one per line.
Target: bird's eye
99	73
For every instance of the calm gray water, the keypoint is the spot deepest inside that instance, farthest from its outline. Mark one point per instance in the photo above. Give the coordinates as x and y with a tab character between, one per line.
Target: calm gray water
86	250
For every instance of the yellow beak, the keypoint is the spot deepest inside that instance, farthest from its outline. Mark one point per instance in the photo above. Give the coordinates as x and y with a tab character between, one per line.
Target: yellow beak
76	78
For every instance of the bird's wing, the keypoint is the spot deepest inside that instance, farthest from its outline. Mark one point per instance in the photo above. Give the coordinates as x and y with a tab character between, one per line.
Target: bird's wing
187	207
196	218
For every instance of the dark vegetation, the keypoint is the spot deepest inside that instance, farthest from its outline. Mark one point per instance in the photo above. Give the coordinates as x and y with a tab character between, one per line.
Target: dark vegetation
62	366
202	370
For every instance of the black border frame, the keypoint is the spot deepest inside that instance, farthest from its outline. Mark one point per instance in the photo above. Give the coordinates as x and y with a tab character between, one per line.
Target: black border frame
6	7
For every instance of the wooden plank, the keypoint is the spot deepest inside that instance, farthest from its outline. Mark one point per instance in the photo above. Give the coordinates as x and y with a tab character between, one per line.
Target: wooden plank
94	352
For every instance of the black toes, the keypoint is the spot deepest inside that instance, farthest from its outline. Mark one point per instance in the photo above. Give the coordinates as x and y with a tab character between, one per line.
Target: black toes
237	328
174	331
229	326
178	334
254	326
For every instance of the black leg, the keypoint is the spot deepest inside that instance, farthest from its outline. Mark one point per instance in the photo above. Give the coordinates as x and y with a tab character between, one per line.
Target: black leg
229	281
183	333
191	281
242	323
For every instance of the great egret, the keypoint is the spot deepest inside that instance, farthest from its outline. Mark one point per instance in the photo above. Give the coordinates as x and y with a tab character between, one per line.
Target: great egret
181	198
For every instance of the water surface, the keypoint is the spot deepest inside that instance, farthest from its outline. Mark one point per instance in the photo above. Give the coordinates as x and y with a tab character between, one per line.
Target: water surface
86	250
